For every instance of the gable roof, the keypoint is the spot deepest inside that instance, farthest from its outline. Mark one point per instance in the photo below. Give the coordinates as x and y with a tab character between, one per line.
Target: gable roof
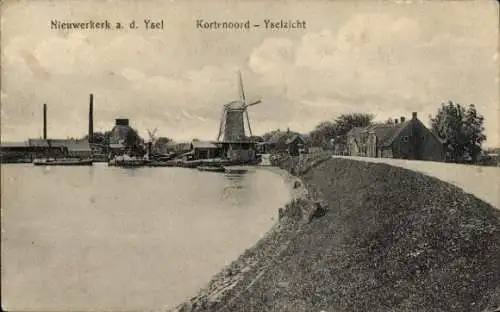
387	133
282	137
38	143
295	137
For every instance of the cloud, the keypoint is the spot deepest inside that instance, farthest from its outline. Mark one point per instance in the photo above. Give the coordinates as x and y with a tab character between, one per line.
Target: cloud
390	64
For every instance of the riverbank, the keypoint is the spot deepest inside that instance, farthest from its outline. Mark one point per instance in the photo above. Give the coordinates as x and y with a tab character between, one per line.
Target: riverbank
391	239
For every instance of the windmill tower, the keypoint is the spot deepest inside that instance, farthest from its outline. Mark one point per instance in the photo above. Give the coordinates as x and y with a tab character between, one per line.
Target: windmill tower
234	116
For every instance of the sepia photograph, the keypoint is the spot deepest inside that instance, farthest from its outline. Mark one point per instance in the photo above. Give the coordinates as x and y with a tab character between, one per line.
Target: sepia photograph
250	155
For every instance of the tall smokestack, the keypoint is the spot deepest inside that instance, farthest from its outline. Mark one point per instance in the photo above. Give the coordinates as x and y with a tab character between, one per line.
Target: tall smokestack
91	117
45	121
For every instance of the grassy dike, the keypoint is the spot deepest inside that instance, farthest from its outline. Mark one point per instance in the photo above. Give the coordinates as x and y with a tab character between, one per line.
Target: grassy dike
390	240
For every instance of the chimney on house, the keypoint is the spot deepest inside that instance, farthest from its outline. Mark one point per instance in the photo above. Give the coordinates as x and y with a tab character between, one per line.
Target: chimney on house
91	117
396	121
45	121
414	115
402	119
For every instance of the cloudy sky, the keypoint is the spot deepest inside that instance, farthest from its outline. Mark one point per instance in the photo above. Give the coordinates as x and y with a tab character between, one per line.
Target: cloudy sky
386	58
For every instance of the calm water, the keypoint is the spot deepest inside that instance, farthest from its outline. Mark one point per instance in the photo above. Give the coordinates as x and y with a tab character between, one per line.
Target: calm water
81	238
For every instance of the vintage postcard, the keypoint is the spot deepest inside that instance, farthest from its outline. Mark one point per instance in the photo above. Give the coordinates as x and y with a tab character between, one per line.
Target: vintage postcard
250	155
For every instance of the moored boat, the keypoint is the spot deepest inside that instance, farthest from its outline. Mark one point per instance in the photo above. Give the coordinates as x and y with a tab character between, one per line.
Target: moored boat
211	168
127	161
62	162
236	170
161	163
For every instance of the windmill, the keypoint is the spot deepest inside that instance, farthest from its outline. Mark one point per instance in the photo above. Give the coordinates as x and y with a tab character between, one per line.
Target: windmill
152	140
234	115
152	135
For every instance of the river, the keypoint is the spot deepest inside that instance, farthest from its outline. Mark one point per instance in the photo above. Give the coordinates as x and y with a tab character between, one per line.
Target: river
108	238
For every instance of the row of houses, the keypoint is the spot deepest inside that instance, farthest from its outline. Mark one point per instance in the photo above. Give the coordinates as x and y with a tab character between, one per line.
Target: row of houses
405	139
197	149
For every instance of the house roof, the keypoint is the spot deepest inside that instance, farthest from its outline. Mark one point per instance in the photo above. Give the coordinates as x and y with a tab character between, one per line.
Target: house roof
295	137
203	144
13	144
82	146
38	143
175	143
59	142
387	133
282	137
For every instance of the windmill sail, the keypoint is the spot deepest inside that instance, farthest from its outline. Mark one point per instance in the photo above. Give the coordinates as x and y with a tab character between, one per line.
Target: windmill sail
242	91
248	123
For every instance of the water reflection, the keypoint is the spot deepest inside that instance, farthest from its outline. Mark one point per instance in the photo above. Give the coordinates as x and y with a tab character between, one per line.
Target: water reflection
97	229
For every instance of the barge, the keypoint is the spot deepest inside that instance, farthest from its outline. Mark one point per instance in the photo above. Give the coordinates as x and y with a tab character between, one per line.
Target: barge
62	162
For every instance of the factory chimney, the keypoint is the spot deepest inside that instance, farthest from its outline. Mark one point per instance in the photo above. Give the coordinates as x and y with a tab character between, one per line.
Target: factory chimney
91	117
45	121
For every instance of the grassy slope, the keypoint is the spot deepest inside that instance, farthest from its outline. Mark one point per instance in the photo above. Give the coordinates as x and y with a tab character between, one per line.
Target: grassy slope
392	240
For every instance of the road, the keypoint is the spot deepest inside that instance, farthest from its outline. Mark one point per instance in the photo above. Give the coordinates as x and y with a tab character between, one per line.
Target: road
482	182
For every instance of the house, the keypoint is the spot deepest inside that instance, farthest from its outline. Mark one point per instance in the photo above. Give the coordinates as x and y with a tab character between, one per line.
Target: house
14	151
294	144
404	139
40	148
79	149
284	142
71	148
205	150
238	151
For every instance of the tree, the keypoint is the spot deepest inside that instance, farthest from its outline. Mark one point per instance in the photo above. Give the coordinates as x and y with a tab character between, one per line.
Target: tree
99	137
462	130
163	140
266	136
345	122
161	143
337	129
256	138
322	133
133	141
